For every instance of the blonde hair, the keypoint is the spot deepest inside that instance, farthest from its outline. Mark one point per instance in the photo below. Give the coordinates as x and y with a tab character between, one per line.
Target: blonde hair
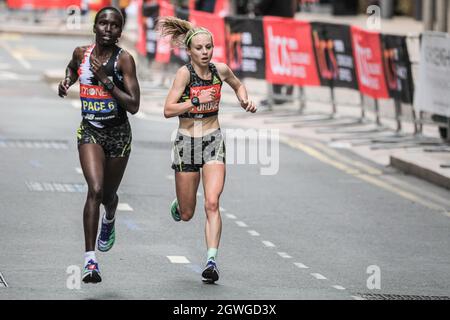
180	31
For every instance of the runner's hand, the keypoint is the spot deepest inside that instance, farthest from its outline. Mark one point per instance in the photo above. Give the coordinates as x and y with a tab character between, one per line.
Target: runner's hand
63	87
207	95
98	70
249	106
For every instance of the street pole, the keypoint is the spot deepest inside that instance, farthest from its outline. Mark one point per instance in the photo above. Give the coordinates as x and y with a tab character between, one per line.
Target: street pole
441	15
428	14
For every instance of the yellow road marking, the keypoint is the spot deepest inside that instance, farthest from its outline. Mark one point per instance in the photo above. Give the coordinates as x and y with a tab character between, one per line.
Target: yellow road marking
365	177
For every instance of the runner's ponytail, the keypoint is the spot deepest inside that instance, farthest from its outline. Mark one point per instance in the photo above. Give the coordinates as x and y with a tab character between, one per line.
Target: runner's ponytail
180	31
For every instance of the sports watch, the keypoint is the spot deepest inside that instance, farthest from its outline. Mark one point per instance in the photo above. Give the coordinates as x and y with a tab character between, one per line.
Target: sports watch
109	85
195	101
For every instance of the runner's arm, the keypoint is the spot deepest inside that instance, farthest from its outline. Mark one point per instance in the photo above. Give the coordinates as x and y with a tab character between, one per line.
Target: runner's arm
171	107
71	72
130	98
241	91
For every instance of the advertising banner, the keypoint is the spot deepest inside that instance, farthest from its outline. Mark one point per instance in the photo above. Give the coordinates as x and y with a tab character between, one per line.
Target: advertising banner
289	52
334	55
245	47
369	63
433	89
397	68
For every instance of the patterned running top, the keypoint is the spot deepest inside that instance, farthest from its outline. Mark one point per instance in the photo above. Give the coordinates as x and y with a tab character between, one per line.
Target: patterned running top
194	89
98	107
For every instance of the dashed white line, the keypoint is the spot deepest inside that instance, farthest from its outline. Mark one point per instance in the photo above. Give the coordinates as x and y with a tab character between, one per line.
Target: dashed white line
268	244
318	276
301	265
284	255
231	216
241	224
124	207
253	233
178	259
339	287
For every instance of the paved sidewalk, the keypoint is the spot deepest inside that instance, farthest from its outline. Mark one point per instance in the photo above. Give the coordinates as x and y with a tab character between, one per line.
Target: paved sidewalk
422	156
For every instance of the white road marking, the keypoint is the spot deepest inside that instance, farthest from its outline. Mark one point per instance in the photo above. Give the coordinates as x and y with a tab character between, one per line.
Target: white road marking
268	244
253	233
318	276
231	216
339	287
301	265
284	255
79	170
124	207
178	259
16	55
241	224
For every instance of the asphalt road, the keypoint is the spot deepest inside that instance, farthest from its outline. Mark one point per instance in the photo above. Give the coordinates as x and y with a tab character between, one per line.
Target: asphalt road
309	232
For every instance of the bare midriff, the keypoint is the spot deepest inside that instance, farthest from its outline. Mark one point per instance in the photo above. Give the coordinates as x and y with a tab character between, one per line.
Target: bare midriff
198	127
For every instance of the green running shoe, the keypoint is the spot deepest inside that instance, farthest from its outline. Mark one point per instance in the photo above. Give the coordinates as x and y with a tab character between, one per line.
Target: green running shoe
174	210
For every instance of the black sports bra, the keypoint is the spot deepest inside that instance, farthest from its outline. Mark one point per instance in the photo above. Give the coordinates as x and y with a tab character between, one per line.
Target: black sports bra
194	89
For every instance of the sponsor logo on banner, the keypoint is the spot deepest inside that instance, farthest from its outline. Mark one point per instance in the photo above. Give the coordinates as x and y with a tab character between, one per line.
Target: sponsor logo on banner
369	63
334	55
397	68
245	47
290	56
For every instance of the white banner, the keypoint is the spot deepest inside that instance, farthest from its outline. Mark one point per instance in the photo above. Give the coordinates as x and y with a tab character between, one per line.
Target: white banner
433	85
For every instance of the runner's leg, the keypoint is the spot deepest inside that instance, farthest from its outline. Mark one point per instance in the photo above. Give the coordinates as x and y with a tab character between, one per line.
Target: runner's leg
186	184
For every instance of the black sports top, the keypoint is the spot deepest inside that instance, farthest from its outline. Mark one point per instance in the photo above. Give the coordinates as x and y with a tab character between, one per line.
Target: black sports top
194	89
98	106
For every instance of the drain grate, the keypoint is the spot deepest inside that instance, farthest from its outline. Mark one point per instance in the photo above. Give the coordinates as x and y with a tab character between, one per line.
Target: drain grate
3	281
377	296
56	187
34	144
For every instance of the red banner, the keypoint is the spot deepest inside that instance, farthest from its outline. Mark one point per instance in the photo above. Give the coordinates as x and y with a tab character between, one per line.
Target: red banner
142	36
216	26
163	47
42	4
290	56
369	63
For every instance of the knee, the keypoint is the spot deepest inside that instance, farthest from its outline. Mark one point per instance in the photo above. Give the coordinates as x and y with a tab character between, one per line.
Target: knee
186	214
211	205
95	193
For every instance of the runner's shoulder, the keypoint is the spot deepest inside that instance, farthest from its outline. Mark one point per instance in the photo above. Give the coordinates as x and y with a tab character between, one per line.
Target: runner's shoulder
78	53
223	69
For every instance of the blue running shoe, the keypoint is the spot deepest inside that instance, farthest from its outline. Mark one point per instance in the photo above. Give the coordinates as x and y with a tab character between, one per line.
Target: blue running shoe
174	211
107	236
91	273
210	274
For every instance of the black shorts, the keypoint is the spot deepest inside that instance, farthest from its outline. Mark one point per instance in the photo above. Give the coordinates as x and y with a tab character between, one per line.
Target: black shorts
115	141
190	154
